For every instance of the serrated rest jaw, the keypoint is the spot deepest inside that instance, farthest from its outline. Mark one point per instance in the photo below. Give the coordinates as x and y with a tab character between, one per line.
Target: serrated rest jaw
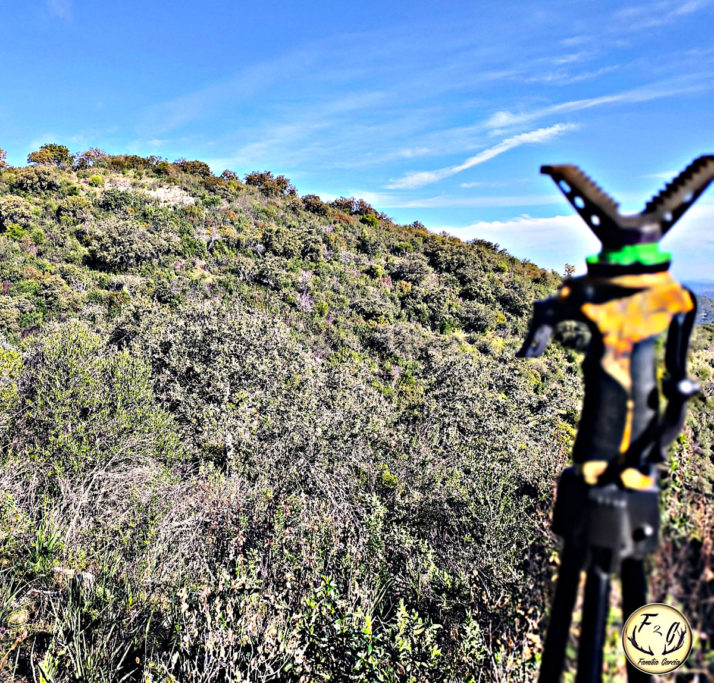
615	230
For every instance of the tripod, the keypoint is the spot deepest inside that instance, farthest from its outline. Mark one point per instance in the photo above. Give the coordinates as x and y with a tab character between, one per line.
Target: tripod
606	509
612	531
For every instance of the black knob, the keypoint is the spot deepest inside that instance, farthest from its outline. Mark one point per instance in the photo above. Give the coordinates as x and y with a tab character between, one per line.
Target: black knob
642	532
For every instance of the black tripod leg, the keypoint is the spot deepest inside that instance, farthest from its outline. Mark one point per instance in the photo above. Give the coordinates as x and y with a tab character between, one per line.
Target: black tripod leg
634	595
595	609
571	562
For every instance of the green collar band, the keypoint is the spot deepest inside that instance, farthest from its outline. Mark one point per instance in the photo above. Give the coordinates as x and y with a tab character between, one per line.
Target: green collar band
647	254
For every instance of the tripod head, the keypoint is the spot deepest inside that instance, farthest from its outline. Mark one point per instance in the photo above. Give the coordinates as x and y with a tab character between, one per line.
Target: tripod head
631	241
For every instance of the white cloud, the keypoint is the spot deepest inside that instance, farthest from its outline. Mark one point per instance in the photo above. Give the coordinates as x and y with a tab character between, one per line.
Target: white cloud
575	41
571	58
504	119
553	242
496	183
63	9
548	242
421	178
657	14
691	242
563	77
411	152
665	175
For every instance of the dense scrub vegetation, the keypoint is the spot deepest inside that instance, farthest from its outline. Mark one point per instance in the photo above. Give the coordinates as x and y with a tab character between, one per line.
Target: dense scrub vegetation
248	435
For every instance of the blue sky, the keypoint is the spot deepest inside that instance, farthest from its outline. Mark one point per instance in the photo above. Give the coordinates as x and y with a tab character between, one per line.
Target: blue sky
434	111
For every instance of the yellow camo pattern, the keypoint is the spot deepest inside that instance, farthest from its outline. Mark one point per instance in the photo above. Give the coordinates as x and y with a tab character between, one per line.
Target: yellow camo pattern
623	323
628	320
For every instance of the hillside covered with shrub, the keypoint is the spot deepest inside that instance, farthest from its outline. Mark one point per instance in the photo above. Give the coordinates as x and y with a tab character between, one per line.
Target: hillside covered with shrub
248	435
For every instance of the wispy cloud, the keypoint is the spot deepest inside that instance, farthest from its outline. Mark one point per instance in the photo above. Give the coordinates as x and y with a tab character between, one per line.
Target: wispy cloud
665	175
504	119
575	41
179	111
563	77
496	183
421	178
63	9
658	13
571	58
383	111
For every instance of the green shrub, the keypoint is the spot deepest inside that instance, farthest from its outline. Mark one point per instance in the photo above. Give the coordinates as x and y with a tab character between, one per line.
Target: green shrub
75	208
36	179
374	307
52	153
281	241
114	200
14	210
314	204
55	294
96	180
321	309
402	248
414	269
368	243
128	162
398	341
193	214
89	159
116	244
370	220
353	207
83	405
476	317
10	370
270	185
10	318
15	231
375	270
253	376
197	168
